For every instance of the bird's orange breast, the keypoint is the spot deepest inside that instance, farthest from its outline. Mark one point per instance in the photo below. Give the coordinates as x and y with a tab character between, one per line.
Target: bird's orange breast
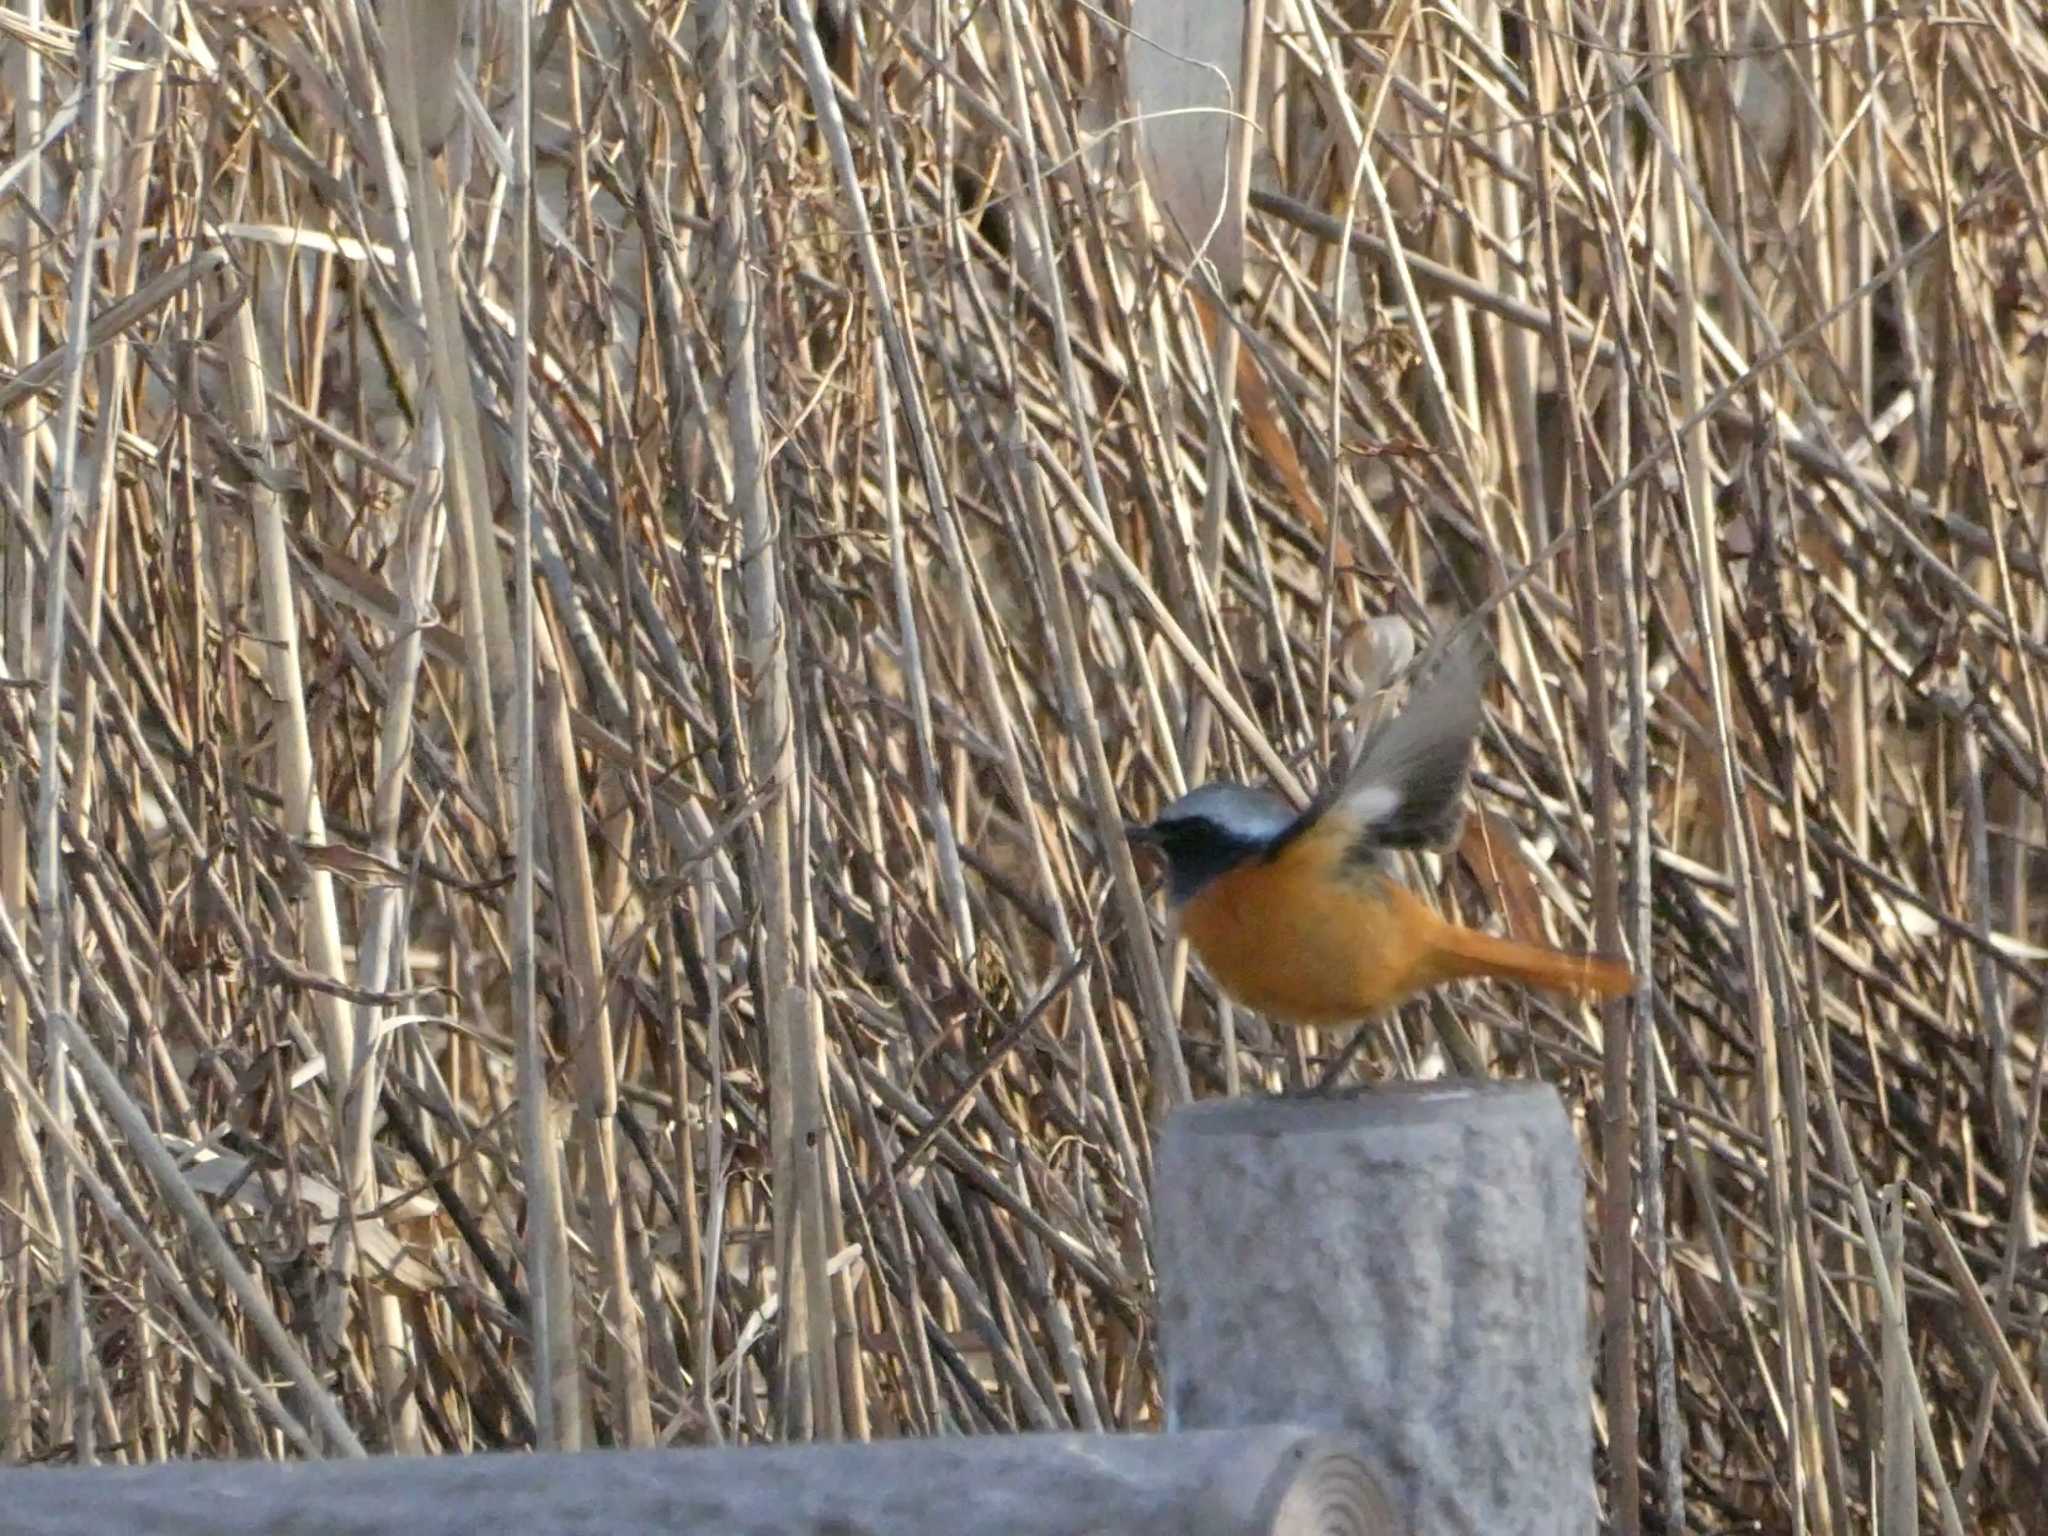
1308	937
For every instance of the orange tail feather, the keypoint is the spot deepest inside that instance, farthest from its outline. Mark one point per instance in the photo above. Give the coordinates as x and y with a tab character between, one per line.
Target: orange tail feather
1464	952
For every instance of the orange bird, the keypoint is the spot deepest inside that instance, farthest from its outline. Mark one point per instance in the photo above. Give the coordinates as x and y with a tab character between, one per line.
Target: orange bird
1298	917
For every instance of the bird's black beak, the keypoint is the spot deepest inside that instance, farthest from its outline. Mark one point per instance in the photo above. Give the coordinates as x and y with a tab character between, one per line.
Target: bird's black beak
1141	834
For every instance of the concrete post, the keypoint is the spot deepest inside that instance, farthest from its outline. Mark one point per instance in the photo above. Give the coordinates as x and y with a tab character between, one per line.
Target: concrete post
1266	1481
1407	1266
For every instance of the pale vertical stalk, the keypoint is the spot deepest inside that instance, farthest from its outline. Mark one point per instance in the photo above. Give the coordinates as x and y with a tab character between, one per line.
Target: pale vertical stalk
419	45
1223	472
132	210
1851	713
714	1148
558	1417
1898	1504
130	194
1515	346
419	543
830	1298
320	937
1822	1441
2001	1087
1854	210
726	29
423	216
952	887
1779	1106
72	1412
1633	547
1843	240
1674	208
1617	1193
17	659
596	1176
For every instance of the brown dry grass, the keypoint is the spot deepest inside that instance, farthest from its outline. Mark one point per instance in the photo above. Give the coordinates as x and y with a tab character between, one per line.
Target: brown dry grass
799	900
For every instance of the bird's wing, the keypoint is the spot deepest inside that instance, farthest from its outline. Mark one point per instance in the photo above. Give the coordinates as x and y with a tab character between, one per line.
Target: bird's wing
1408	786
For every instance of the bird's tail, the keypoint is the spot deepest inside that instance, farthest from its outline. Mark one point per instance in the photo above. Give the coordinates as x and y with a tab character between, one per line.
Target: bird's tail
1465	952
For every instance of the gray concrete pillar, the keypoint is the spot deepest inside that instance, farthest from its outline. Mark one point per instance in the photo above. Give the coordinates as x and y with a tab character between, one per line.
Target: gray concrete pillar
1408	1266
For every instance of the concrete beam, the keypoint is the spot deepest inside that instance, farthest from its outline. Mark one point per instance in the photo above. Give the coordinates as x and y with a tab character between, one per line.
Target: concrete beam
1252	1482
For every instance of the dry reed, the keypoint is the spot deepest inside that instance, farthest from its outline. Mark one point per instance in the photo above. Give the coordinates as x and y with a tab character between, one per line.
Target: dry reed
886	547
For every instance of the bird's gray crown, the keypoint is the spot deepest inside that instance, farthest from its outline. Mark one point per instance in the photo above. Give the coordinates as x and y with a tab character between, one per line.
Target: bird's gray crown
1252	815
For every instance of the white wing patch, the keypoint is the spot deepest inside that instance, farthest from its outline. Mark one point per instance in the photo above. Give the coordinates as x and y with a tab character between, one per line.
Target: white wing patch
1407	786
1373	803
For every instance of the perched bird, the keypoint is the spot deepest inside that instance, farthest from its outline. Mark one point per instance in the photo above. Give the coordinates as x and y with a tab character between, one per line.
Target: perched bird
1298	916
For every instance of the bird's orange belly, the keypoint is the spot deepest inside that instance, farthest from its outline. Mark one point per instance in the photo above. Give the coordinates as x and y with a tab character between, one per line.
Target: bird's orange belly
1304	947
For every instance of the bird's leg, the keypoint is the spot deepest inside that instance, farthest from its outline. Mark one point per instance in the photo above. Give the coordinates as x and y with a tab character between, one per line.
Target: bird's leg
1335	1070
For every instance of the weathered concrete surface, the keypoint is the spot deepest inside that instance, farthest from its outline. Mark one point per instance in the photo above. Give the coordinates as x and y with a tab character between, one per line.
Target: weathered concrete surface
1220	1483
1407	1265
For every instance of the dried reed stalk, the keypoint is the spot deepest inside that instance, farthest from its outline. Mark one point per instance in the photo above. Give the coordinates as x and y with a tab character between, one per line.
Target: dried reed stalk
559	859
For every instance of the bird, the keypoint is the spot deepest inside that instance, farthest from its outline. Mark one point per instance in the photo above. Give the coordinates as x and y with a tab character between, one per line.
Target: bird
1299	916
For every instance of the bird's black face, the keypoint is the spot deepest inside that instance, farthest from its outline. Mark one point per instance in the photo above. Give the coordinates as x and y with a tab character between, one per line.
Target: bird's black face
1197	849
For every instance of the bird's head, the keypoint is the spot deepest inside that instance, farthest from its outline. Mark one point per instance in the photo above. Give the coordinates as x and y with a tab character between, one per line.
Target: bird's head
1210	831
